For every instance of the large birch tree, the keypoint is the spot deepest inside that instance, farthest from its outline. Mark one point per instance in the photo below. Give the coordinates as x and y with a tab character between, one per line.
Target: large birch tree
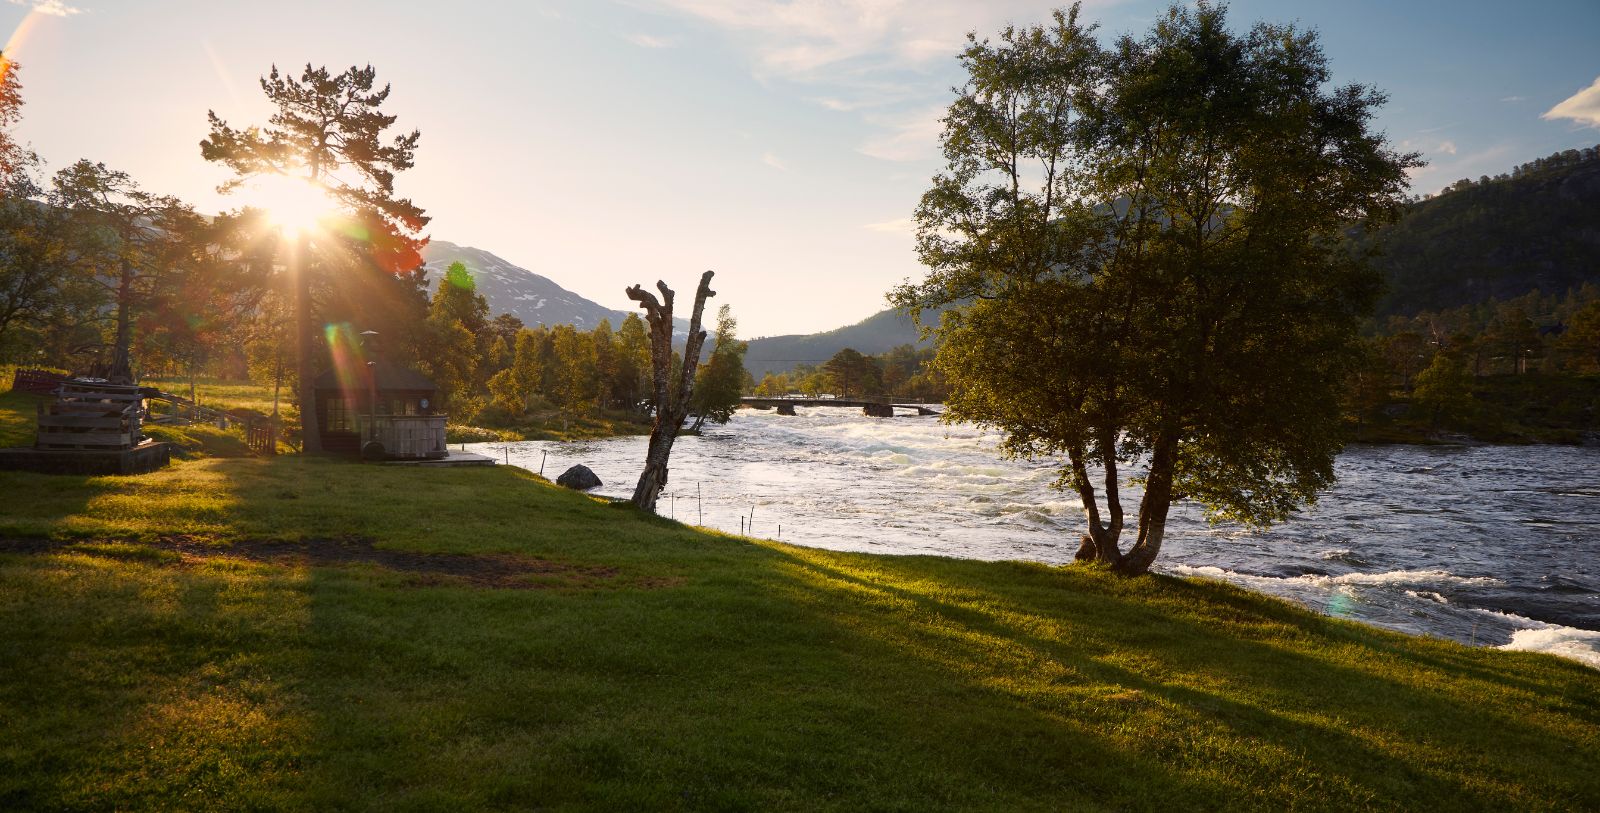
1140	244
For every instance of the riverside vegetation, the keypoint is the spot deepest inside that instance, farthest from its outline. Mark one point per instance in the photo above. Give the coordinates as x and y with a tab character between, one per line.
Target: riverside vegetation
290	632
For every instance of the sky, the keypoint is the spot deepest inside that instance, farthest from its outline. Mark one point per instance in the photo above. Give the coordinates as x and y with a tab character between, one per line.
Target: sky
782	144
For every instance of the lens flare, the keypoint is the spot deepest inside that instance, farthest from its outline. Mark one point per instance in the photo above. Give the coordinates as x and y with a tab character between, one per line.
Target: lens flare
349	359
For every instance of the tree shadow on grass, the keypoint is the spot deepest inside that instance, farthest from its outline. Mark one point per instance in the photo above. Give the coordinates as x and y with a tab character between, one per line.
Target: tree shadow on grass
1350	738
125	683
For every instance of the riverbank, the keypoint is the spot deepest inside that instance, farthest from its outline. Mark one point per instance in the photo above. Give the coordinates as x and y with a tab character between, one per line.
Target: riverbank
308	633
552	425
1513	410
247	398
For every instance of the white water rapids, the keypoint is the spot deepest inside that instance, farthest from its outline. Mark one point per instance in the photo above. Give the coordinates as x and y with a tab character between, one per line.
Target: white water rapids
1491	546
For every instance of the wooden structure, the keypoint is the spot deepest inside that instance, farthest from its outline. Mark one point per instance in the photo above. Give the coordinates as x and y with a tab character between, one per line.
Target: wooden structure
389	404
91	415
873	406
92	427
261	434
38	382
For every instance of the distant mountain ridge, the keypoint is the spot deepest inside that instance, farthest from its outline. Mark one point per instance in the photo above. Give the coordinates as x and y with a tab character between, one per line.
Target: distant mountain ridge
878	333
1537	227
510	288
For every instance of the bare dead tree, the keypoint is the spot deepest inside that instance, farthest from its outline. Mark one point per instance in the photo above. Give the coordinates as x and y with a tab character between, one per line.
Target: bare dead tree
672	403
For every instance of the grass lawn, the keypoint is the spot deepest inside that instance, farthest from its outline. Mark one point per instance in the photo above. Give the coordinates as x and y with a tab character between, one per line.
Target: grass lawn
19	423
309	634
229	396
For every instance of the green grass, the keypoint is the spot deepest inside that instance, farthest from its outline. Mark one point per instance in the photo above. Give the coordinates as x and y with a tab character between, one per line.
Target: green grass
547	423
19	423
229	396
702	671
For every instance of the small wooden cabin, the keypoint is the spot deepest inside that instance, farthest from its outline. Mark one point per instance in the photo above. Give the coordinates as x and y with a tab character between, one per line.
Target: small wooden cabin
404	421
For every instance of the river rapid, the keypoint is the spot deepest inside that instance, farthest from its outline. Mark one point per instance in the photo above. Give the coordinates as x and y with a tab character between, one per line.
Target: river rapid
1488	545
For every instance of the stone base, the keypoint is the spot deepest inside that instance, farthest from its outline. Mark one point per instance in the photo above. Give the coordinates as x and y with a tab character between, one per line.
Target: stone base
146	457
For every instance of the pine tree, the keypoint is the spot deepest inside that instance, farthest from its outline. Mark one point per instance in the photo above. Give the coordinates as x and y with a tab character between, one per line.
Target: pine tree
328	130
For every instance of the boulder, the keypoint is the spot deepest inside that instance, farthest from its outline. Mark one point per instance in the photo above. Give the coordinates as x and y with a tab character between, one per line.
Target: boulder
580	478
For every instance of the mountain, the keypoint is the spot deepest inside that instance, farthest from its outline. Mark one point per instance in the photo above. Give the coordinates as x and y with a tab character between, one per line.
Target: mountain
534	299
878	333
1537	227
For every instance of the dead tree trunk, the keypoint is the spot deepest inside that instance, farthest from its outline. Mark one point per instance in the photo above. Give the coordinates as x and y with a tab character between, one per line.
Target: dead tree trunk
672	397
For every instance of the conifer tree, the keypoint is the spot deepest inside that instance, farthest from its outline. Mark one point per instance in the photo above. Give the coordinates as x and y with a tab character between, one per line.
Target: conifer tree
329	131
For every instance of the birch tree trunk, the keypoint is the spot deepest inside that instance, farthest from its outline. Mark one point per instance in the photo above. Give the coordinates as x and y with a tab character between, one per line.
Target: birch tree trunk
672	397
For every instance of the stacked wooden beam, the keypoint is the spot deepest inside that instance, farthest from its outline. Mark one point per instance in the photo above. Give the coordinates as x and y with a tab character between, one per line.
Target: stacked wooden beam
91	415
38	382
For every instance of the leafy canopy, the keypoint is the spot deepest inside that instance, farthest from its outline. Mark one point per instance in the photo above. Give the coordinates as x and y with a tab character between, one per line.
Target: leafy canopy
1141	243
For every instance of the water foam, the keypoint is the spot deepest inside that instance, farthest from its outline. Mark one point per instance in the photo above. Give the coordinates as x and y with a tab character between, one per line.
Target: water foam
1422	578
1582	646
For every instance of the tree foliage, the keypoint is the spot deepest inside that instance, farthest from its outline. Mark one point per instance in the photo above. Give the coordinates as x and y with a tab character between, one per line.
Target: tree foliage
851	373
1149	237
328	130
721	380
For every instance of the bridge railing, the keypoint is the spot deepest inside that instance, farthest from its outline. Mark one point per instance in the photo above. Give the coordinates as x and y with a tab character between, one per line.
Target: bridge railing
875	399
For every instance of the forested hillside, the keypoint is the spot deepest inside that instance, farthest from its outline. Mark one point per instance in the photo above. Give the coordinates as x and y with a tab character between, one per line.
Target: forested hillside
878	333
1534	228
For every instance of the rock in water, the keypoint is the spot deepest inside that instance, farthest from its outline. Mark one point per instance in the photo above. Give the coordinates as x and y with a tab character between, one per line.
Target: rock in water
580	478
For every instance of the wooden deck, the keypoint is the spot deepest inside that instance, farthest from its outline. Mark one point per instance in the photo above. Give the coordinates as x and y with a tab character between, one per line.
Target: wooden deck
451	458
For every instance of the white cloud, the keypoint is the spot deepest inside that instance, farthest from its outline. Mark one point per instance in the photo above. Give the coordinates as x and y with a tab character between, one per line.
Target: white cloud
886	60
1514	99
1446	147
774	161
902	225
840	105
910	137
55	8
648	41
801	39
1582	107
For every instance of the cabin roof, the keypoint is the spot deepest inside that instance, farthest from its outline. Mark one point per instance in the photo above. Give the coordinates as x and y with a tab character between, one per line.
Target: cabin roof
390	377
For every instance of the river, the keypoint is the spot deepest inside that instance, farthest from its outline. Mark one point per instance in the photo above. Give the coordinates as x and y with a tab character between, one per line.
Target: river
1487	545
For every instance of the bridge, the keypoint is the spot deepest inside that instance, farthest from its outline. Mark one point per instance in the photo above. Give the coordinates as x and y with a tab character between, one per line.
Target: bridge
873	406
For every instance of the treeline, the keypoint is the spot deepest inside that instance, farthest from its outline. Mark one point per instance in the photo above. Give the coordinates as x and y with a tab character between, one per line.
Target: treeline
101	277
1532	229
1564	159
903	371
498	372
1527	367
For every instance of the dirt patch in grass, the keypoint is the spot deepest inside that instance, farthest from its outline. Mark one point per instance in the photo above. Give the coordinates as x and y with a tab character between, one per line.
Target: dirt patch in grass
495	571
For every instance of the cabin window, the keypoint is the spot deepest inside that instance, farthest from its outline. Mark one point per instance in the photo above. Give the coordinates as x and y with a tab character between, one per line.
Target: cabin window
339	411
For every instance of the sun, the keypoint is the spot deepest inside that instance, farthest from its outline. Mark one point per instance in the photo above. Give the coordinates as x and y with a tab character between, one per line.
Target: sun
293	205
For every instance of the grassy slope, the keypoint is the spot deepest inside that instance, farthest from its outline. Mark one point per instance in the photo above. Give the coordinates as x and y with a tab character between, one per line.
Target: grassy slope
707	673
231	396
